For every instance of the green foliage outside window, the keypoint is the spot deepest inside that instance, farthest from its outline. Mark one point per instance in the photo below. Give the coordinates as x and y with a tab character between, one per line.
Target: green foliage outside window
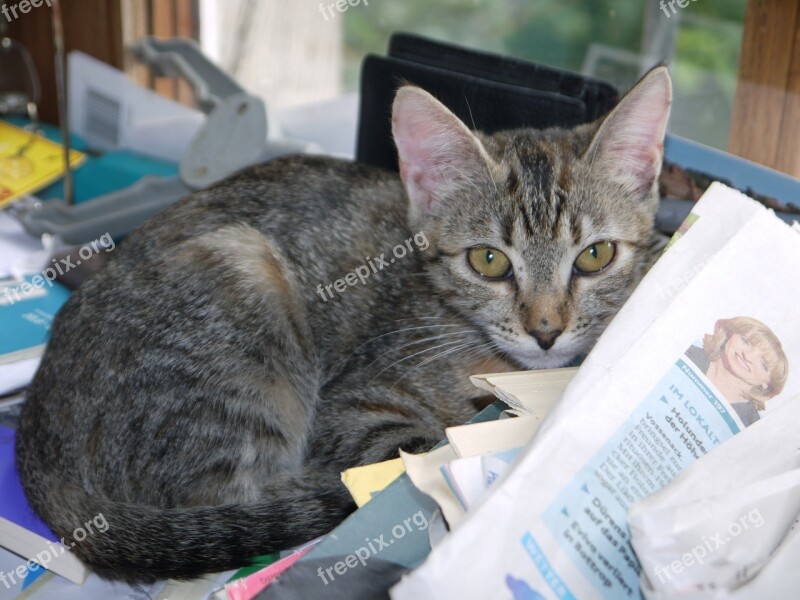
561	32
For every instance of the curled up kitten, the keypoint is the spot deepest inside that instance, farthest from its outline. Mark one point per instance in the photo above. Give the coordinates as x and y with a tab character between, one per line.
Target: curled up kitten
201	393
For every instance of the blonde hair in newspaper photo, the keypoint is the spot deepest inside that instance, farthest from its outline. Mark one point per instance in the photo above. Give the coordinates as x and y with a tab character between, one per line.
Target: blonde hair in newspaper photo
744	360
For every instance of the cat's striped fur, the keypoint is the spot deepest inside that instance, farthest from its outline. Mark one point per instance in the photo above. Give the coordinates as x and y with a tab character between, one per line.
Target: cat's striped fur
201	395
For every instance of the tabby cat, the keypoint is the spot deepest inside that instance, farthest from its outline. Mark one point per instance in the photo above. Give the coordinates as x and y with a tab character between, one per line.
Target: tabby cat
202	395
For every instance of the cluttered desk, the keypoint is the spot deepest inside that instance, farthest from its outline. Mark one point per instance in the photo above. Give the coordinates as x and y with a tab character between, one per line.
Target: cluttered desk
605	513
123	169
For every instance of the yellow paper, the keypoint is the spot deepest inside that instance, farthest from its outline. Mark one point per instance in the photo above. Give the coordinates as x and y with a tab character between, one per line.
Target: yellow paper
29	162
363	482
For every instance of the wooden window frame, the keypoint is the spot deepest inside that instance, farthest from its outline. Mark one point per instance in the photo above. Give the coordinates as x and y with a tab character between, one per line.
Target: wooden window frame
765	125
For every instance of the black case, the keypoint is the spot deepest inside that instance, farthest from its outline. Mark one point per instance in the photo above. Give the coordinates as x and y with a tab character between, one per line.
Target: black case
488	92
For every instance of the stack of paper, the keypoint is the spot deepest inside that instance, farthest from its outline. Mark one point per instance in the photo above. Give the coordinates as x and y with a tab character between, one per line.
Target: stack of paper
458	475
702	350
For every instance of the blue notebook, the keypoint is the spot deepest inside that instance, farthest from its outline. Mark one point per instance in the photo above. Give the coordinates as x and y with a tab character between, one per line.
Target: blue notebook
21	531
27	309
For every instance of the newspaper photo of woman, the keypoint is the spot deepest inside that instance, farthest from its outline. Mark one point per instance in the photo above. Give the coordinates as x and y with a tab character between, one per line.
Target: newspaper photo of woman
745	361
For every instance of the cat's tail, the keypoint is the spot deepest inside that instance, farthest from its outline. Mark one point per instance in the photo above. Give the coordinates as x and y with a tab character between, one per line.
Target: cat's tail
140	543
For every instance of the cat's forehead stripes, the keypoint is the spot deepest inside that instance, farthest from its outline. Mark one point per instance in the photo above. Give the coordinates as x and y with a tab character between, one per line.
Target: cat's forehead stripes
535	164
538	185
577	231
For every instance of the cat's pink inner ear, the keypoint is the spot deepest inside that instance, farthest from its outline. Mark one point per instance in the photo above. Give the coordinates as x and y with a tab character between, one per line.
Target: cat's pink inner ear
434	147
630	143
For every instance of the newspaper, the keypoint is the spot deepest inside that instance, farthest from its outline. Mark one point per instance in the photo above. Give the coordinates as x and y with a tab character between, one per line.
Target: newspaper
698	354
717	532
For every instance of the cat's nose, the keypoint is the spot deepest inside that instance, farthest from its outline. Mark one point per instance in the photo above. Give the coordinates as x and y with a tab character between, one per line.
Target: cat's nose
546	339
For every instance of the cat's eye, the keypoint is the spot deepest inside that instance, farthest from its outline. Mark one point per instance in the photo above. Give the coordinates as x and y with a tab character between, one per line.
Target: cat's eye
595	258
489	262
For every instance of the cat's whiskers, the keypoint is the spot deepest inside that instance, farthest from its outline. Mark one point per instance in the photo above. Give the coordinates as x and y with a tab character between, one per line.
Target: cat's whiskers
422	341
442	354
405	329
471	118
491	176
490	346
460	172
336	365
477	350
475	128
397	362
434	338
415	319
488	349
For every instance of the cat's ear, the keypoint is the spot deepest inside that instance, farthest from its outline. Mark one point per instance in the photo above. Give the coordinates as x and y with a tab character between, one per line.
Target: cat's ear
629	145
438	154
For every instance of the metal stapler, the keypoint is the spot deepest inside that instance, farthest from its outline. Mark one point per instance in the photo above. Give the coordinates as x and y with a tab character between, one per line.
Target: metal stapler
236	134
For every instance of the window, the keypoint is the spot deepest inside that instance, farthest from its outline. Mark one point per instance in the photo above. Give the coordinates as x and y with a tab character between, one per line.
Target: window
311	50
735	67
